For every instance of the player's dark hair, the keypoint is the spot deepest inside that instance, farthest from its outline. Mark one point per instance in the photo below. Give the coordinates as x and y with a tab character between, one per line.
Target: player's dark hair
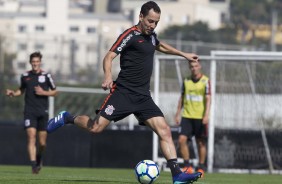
35	54
148	6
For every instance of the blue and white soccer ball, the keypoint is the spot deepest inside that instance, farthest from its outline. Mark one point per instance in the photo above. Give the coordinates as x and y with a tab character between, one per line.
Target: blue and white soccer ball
147	172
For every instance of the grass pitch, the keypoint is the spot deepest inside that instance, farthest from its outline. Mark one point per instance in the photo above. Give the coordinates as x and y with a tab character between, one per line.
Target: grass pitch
61	175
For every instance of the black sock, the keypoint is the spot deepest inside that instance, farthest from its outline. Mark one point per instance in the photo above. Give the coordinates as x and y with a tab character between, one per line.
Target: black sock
187	163
69	119
201	166
38	159
33	163
174	167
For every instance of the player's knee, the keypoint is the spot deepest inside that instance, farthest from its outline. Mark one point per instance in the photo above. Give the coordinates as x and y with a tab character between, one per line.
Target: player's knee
42	145
182	140
96	130
201	142
96	127
166	132
31	139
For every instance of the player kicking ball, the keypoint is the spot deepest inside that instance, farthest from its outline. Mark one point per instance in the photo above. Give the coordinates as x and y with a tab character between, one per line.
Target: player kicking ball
130	94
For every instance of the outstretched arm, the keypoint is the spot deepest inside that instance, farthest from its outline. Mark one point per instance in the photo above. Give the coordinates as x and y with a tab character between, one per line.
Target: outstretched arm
167	49
107	66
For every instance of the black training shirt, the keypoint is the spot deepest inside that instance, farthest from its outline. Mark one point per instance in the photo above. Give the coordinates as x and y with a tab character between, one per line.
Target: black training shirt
36	103
136	60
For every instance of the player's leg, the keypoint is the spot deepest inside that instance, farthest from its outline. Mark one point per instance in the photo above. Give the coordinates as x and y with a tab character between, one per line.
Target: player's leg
183	147
201	138
115	107
150	114
94	126
184	151
42	139
31	147
202	148
161	128
185	132
30	126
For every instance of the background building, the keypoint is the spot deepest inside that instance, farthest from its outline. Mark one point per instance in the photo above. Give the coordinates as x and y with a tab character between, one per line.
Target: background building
74	35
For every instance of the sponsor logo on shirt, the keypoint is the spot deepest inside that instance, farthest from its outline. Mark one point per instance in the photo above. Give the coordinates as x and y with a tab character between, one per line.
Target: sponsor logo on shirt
194	98
124	41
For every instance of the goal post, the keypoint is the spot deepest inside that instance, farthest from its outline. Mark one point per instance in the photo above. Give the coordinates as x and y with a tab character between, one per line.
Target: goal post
246	100
240	56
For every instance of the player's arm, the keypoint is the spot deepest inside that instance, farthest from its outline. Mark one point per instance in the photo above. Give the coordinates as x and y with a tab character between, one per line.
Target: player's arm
41	92
13	93
107	67
19	91
180	105
179	108
167	49
51	93
208	104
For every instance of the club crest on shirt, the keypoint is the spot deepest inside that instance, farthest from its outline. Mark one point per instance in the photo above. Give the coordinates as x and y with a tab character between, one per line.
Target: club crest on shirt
153	40
27	122
41	78
109	110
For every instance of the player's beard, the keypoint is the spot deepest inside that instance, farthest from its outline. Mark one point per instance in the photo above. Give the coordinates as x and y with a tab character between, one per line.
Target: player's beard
146	30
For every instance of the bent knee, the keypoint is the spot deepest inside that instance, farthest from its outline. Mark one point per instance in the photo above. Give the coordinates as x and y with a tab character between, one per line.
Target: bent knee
165	132
96	130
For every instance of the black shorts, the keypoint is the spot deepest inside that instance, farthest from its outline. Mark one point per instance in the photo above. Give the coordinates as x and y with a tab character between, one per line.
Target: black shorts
119	105
36	120
193	127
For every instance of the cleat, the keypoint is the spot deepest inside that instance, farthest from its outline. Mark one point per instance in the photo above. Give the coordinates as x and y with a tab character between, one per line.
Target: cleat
57	122
184	178
201	171
39	163
34	170
188	170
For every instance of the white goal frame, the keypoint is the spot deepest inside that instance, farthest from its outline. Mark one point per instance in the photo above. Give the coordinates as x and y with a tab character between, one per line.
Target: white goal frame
213	58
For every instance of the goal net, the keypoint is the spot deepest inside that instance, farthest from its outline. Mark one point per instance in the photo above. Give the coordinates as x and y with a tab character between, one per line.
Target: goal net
245	126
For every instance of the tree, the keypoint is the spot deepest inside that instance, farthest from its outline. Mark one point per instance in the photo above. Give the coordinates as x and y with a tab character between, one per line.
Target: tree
201	32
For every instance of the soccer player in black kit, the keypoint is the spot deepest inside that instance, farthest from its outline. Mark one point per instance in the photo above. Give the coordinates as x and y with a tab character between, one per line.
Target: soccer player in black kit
130	93
37	86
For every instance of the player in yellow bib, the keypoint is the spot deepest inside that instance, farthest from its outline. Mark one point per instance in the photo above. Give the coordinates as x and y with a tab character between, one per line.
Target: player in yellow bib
194	103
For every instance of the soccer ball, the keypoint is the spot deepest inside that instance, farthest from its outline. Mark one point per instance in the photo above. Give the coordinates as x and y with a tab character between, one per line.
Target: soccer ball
147	172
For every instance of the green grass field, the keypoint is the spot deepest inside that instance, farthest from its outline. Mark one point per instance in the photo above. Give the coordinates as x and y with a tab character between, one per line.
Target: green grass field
48	175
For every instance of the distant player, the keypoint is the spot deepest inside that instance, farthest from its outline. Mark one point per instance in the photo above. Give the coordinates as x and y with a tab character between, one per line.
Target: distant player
130	94
37	86
195	103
